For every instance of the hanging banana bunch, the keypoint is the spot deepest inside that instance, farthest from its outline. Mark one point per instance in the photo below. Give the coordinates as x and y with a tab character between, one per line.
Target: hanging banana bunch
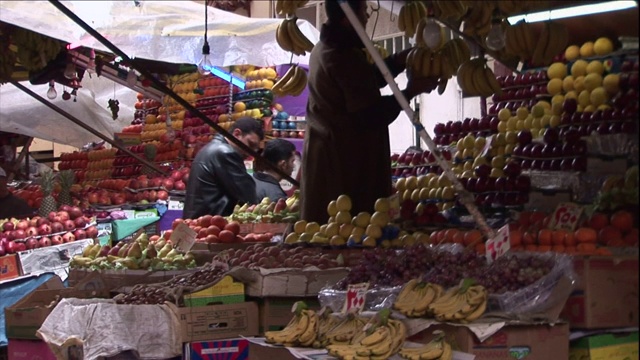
289	7
292	83
34	50
409	17
442	63
449	10
477	79
290	38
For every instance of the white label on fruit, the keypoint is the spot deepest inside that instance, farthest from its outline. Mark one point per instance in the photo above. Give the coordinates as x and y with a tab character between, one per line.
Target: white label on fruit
356	295
487	146
394	206
183	237
175	205
498	245
566	216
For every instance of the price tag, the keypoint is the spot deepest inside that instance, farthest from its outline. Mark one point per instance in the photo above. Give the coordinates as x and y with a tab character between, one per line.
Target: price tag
498	245
175	205
356	295
487	146
183	237
394	206
566	216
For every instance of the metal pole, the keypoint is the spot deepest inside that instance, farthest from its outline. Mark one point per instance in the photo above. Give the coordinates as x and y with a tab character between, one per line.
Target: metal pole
162	87
86	127
463	195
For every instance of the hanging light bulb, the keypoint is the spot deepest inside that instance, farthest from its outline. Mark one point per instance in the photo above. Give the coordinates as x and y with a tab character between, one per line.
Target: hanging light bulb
52	93
433	34
70	71
496	37
132	78
91	64
204	65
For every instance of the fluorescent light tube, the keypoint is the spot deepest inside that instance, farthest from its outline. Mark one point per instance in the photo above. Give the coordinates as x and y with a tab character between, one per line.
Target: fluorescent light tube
227	77
579	10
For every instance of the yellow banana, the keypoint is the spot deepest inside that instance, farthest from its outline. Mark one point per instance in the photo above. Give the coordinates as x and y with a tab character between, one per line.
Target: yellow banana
401	19
300	42
282	36
420	32
491	80
282	81
537	58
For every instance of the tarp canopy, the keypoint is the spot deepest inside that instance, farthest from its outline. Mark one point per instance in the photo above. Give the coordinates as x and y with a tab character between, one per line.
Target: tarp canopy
169	31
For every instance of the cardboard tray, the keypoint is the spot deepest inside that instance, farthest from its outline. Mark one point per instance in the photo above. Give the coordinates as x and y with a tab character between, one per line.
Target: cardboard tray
287	281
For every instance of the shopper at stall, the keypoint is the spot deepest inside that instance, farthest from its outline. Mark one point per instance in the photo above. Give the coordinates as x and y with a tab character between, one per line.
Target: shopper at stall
282	154
10	205
218	179
347	147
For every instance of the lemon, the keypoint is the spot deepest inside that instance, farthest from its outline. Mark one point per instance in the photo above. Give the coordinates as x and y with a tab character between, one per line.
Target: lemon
554	121
522	113
496	173
332	229
557	70
586	50
584	98
299	226
602	46
556	108
502	126
312	227
343	217
511	137
345	230
598	96
592	81
611	83
362	219
554	86
292	238
374	231
504	114
557	98
544	121
480	143
572	52
520	125
508	149
383	204
401	185
579	68
537	110
573	94
343	203
379	218
499	140
578	84
511	124
498	162
411	182
527	123
337	240
589	108
469	141
567	83
596	67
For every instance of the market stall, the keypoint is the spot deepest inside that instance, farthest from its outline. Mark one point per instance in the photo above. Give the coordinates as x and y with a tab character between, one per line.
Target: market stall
514	234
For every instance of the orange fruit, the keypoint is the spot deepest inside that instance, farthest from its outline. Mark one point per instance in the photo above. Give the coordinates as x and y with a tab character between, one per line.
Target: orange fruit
623	220
536	216
603	252
545	236
472	237
449	234
528	238
570	250
609	233
586	248
558	248
480	249
544	248
531	247
586	235
438	236
569	239
557	237
597	221
458	237
616	243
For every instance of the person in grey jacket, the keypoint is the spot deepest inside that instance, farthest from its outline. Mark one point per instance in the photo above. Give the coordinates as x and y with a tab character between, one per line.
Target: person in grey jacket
218	179
282	154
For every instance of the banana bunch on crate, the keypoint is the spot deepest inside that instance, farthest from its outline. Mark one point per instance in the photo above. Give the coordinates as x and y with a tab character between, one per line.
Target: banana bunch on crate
343	332
436	349
292	83
301	330
381	50
477	21
380	339
34	50
477	79
415	297
449	10
442	63
553	40
326	322
289	7
290	38
463	303
409	17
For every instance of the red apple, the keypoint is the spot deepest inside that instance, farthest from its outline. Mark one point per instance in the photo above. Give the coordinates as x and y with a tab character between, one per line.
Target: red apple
44	242
63	215
92	232
31	243
75	212
57	227
22	225
79	234
44	229
68	237
56	240
69	225
8	226
42	221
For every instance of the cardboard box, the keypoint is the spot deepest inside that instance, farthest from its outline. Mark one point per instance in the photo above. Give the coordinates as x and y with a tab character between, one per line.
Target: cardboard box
530	342
350	256
226	291
9	267
275	312
236	349
288	282
605	347
121	280
606	295
25	317
606	166
52	258
29	350
259	352
218	321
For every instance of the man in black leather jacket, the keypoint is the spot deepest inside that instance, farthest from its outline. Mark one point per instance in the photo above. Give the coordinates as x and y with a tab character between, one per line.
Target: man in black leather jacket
218	179
282	154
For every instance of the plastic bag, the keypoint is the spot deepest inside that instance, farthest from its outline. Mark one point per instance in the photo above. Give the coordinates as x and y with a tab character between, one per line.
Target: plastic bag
376	300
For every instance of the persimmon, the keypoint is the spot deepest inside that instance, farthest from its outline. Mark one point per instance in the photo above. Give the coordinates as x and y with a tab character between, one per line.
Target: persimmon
480	248
544	248
449	234
603	251
616	243
458	237
515	238
472	237
528	238
531	247
623	220
609	233
586	235
598	221
557	237
586	248
569	239
558	248
570	250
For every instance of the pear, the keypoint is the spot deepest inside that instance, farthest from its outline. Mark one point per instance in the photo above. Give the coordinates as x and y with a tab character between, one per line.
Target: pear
95	251
135	251
87	251
173	253
165	250
104	250
123	250
114	250
160	244
112	258
145	264
151	251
